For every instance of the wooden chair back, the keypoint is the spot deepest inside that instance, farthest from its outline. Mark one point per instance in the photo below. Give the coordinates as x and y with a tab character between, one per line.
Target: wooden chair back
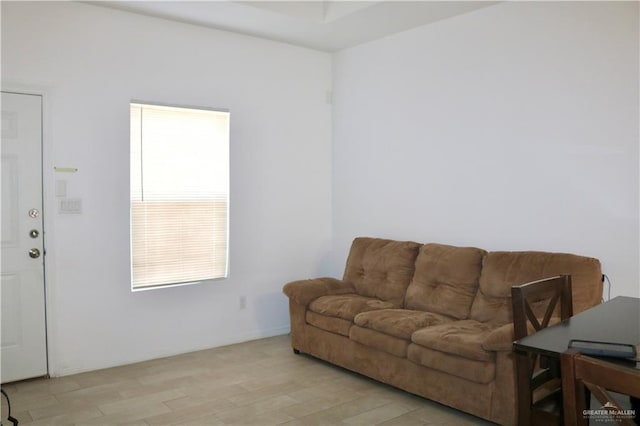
553	290
582	374
539	391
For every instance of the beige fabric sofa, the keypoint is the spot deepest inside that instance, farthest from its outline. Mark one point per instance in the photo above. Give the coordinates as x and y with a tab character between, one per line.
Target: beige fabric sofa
432	319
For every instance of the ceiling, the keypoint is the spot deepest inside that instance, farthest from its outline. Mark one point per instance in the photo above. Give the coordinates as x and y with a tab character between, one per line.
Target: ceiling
322	25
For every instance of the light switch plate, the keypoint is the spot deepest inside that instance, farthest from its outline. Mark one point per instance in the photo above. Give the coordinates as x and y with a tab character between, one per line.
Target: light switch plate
61	188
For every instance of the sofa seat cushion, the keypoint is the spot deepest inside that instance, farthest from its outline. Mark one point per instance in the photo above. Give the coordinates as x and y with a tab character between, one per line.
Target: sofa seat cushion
400	323
331	324
462	338
346	306
380	341
473	370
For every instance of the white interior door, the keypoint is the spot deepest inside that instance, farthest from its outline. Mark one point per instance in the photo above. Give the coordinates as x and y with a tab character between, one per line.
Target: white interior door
24	350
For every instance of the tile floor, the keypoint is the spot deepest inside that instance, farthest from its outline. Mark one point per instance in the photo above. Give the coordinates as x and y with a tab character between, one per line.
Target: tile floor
254	383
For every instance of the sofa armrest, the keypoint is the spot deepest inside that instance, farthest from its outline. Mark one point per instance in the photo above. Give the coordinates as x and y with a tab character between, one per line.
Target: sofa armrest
304	292
500	339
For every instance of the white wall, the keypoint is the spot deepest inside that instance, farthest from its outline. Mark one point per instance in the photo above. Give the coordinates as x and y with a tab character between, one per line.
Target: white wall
513	127
90	62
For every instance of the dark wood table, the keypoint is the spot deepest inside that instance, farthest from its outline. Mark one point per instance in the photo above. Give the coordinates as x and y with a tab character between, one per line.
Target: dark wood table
615	321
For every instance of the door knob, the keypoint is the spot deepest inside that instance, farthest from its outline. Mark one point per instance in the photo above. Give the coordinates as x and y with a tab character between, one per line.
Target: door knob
34	233
34	253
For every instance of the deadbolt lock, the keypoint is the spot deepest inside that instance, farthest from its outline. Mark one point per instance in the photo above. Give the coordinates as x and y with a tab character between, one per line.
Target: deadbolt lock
34	233
34	253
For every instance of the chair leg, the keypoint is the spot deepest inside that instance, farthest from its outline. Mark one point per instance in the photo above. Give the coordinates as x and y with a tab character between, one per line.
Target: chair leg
573	397
587	398
635	405
523	372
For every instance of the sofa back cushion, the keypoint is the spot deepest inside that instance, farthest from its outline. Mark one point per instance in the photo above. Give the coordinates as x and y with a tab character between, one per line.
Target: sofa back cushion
381	268
445	280
501	270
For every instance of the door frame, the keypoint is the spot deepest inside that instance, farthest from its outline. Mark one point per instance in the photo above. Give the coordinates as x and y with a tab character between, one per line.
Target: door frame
48	207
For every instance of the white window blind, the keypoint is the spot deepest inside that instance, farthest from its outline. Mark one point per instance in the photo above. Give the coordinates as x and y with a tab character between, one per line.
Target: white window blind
179	195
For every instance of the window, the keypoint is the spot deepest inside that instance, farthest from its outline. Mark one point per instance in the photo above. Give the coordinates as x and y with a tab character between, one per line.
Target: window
179	195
